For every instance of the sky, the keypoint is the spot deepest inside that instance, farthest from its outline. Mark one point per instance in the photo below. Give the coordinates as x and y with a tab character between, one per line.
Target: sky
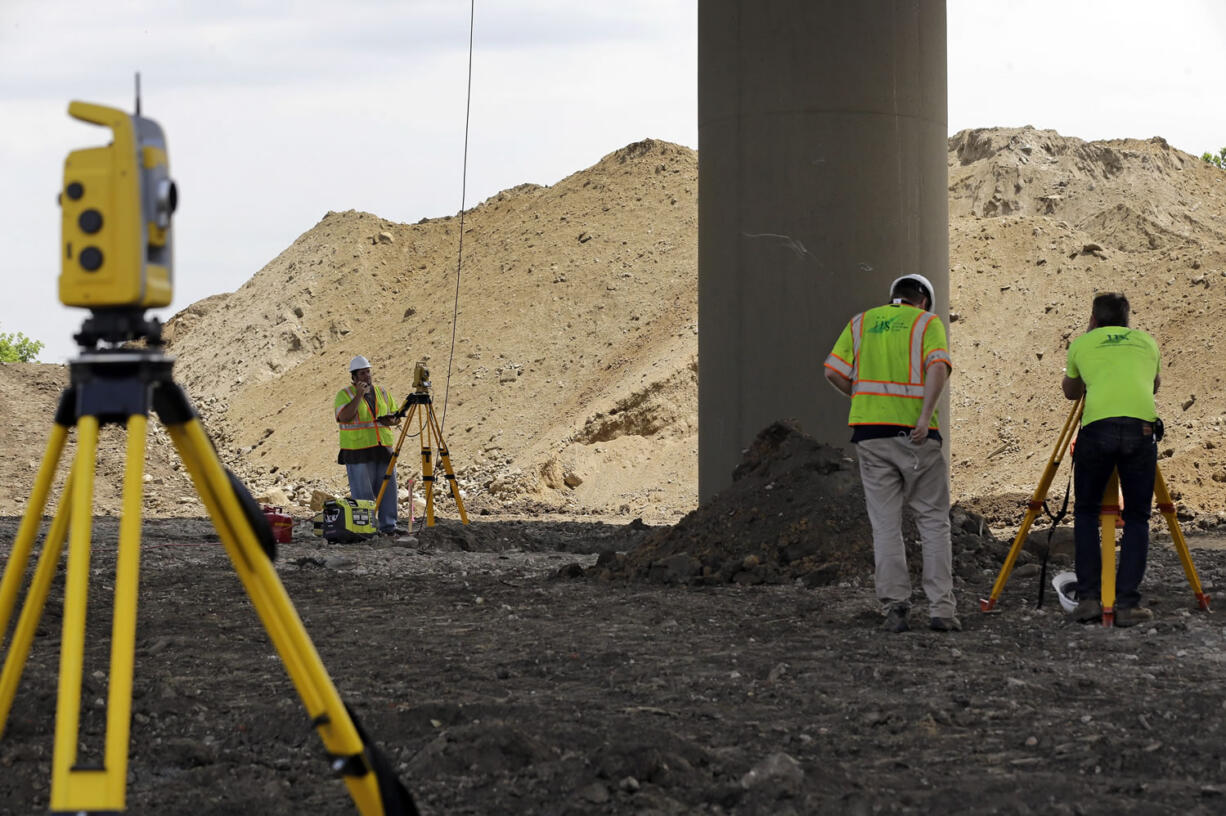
276	113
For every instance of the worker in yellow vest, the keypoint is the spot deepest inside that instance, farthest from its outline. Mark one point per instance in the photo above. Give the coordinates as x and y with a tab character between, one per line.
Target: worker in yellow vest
364	416
893	361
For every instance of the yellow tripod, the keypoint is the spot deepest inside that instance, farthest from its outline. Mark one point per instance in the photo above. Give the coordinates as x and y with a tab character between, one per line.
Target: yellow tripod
120	386
1108	520
428	430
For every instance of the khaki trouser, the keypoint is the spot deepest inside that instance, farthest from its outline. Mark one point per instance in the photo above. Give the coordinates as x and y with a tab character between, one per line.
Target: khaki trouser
893	470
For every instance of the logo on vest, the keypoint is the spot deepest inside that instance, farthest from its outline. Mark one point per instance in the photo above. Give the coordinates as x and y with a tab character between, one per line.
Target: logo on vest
884	325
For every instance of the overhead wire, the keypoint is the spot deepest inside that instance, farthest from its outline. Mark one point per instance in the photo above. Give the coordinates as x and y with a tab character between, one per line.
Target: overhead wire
472	10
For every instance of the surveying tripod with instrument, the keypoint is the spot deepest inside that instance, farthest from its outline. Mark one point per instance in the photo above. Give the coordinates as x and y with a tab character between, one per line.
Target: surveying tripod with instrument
1108	518
116	207
428	429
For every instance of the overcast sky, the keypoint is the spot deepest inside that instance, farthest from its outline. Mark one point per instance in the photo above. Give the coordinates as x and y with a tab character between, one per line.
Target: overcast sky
277	112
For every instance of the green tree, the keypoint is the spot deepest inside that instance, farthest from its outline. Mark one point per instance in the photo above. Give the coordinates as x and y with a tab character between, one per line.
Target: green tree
17	348
1218	160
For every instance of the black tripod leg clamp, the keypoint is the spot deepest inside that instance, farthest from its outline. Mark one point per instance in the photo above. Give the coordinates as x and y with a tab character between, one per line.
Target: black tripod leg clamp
353	765
343	764
397	801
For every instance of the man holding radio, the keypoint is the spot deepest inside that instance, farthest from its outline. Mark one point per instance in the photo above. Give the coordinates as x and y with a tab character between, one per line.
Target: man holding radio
364	413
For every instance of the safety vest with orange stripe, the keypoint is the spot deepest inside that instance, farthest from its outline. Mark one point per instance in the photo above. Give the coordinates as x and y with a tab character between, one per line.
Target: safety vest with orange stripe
886	353
363	431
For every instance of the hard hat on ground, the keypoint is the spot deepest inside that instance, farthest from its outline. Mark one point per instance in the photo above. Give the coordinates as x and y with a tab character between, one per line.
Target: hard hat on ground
923	282
357	363
1065	585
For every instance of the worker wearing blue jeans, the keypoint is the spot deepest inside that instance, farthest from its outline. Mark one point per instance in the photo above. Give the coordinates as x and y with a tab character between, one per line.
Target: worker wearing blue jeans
365	415
1116	369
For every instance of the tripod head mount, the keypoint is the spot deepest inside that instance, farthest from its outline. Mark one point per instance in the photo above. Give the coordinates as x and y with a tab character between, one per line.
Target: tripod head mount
115	326
415	398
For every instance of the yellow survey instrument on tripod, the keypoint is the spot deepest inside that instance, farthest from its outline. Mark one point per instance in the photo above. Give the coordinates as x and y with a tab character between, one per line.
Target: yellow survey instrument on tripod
428	429
117	276
1108	517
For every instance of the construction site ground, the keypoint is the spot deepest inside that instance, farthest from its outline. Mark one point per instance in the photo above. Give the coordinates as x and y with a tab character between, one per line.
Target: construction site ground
497	687
595	640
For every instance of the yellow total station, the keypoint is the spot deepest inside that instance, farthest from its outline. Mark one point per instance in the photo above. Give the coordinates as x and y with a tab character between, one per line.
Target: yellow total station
116	204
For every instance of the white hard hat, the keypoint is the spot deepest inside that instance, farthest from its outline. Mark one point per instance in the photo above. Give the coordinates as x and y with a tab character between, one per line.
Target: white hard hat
922	281
358	362
1066	590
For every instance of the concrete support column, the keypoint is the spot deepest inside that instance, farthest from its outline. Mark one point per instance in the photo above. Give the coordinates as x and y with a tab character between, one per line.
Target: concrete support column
822	178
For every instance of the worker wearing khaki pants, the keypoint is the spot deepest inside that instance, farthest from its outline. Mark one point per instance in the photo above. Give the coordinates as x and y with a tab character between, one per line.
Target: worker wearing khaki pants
894	470
893	361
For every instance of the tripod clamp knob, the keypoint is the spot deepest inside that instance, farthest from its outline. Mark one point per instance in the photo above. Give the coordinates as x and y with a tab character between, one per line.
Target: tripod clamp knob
352	765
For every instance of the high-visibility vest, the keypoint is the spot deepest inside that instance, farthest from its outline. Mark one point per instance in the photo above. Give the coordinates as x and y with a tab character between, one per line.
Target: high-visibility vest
363	431
886	353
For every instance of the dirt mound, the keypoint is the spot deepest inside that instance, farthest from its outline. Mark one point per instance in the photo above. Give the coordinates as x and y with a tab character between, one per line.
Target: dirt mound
29	394
794	510
1029	172
573	384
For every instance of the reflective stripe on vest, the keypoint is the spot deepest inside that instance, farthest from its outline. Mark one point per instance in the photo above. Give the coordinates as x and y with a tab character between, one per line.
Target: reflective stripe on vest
857	335
840	365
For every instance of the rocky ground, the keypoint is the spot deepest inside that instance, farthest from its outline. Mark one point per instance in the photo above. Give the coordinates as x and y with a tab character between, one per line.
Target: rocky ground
731	663
498	682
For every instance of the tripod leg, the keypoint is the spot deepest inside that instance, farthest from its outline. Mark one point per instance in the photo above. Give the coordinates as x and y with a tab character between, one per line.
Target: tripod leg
445	458
391	466
32	609
76	787
427	466
1036	504
1107	521
76	593
23	545
1167	507
14	571
371	784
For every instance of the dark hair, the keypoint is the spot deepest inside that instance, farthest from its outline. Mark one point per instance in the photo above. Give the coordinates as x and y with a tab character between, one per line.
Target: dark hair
911	291
1110	309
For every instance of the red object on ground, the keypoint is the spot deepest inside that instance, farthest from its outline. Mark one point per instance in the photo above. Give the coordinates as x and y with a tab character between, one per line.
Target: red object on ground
282	525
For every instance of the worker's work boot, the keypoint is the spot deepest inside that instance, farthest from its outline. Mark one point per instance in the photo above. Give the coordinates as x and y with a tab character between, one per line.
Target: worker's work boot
896	618
1088	610
950	624
1132	615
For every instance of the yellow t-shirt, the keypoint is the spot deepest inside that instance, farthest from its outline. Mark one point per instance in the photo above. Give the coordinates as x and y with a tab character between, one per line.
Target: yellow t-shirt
1118	366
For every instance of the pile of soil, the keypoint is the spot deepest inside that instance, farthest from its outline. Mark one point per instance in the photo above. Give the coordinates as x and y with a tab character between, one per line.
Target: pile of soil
794	511
573	383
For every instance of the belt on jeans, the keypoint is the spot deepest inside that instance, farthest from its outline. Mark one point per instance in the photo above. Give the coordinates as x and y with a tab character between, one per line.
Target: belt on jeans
1143	425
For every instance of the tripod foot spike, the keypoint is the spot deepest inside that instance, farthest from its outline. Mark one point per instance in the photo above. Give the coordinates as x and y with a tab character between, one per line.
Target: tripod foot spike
987	604
1202	601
